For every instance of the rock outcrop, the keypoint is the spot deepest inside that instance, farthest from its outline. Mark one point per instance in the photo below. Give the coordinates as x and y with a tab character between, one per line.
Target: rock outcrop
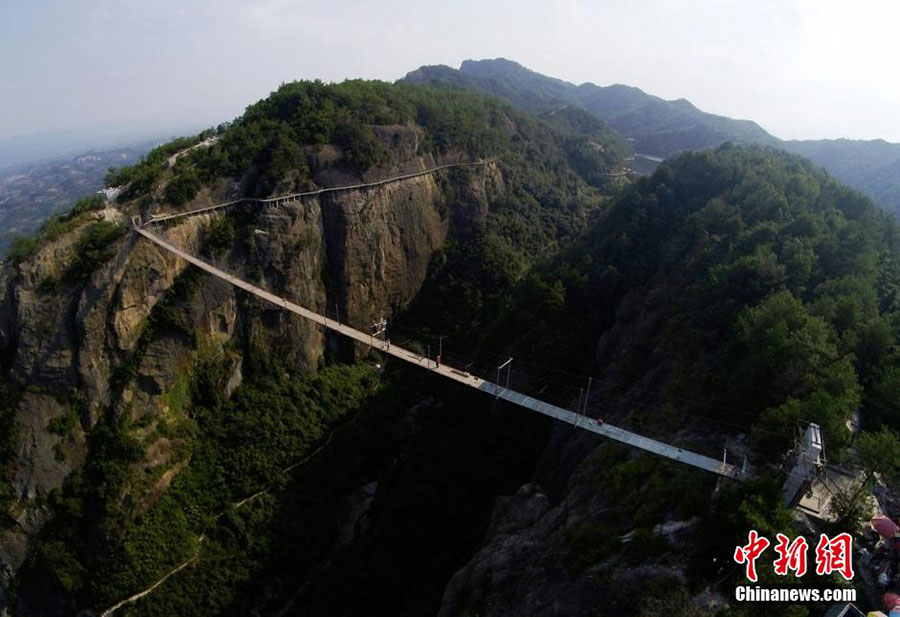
82	351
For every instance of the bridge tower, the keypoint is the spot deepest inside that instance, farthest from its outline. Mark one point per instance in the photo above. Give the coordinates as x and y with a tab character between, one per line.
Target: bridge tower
808	461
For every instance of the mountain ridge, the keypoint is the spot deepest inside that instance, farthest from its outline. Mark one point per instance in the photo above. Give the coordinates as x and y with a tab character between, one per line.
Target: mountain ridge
660	127
622	106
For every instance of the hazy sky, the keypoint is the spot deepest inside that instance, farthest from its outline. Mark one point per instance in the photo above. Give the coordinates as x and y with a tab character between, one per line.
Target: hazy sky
801	68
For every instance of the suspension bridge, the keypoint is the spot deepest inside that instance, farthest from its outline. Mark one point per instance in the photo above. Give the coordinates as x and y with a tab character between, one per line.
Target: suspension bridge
720	467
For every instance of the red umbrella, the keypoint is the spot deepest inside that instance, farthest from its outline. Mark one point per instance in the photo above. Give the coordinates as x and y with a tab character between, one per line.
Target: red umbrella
885	526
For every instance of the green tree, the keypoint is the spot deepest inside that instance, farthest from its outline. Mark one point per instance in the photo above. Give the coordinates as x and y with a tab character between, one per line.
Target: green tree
879	453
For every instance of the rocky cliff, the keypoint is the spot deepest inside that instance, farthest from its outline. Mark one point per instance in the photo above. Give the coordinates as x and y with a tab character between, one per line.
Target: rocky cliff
79	352
149	401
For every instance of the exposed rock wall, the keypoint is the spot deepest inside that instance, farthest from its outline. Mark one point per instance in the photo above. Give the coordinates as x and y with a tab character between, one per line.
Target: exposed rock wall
521	568
363	253
379	243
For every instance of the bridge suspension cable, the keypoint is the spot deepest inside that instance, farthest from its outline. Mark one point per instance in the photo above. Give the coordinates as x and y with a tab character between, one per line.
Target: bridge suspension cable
464	377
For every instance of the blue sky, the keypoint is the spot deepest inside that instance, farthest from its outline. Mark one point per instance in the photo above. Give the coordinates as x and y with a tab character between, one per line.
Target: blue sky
801	68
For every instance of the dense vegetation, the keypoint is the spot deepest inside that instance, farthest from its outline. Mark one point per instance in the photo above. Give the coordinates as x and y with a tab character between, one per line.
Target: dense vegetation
272	132
593	150
872	166
435	478
273	140
95	247
141	178
746	279
250	554
236	448
735	290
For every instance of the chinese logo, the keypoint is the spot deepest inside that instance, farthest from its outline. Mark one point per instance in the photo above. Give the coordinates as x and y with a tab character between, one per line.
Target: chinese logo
832	555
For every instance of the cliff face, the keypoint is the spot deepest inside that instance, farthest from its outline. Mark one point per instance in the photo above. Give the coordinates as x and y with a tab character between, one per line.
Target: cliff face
554	554
118	356
127	340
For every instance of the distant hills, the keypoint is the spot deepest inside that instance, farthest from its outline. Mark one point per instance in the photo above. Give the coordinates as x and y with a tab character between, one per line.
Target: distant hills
605	123
32	193
871	166
660	128
655	126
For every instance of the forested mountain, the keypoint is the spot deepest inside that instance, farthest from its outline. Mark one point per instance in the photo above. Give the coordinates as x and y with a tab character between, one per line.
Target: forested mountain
720	251
871	166
159	424
655	126
661	128
736	289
